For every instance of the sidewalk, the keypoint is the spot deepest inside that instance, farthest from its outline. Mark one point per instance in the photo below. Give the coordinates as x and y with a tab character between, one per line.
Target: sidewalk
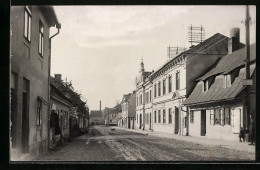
241	146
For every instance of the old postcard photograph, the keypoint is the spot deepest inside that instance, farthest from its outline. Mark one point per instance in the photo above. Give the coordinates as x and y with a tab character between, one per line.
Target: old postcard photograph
132	83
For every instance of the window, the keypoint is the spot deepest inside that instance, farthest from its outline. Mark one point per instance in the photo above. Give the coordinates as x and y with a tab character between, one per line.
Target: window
41	26
164	116
205	85
212	117
137	101
178	80
150	95
159	89
164	87
191	117
227	81
27	23
136	118
146	97
159	116
227	116
154	116
154	90
170	83
39	112
170	116
221	116
141	99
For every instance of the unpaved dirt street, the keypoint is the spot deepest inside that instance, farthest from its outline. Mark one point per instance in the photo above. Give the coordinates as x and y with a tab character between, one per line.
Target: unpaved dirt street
103	144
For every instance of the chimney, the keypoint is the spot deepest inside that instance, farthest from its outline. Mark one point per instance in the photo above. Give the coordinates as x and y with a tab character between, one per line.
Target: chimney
57	77
234	40
100	105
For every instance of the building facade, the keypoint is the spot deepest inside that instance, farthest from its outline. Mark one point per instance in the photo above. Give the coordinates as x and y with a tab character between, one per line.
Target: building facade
217	105
59	119
128	110
96	117
29	80
160	94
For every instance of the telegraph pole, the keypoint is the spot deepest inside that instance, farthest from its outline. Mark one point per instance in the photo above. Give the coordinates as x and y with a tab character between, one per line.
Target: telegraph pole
247	67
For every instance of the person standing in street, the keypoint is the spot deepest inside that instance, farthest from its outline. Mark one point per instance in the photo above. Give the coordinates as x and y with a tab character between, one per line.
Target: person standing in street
252	129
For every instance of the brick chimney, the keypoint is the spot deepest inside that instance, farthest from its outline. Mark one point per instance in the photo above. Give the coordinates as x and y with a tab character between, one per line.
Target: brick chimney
234	40
57	77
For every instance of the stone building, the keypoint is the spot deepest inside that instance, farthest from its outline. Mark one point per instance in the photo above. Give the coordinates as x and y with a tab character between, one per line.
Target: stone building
30	50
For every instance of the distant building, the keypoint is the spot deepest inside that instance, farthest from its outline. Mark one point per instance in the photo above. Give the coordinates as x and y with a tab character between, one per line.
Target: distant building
217	105
96	118
143	99
128	110
111	115
30	72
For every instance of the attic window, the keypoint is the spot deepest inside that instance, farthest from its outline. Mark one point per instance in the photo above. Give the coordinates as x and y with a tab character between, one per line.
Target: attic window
227	81
207	83
205	86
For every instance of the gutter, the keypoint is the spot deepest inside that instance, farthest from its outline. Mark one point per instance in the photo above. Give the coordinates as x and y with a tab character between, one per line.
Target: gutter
58	26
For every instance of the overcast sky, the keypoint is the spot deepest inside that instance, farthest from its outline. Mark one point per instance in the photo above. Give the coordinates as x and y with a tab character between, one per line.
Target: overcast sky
99	48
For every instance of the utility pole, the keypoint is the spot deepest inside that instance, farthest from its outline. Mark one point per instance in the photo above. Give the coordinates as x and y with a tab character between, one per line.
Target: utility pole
247	82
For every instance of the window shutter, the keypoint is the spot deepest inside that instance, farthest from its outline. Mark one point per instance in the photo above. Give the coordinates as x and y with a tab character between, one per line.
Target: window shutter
227	116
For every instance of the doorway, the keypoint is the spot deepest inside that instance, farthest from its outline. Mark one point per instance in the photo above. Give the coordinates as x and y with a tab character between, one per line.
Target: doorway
203	123
25	117
176	120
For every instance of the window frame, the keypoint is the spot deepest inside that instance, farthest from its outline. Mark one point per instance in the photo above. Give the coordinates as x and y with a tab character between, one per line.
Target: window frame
159	116
164	116
155	115
178	80
227	81
192	117
41	38
170	115
170	84
150	97
39	112
164	86
159	89
155	86
27	23
212	117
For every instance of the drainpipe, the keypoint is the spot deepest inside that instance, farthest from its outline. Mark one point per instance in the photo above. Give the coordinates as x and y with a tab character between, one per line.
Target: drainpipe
58	26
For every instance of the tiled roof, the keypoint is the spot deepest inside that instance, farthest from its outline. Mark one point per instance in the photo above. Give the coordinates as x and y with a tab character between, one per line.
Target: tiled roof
230	62
95	113
216	92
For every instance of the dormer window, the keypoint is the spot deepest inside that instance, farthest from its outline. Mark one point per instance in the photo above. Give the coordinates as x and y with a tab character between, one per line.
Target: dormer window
227	81
207	83
205	86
